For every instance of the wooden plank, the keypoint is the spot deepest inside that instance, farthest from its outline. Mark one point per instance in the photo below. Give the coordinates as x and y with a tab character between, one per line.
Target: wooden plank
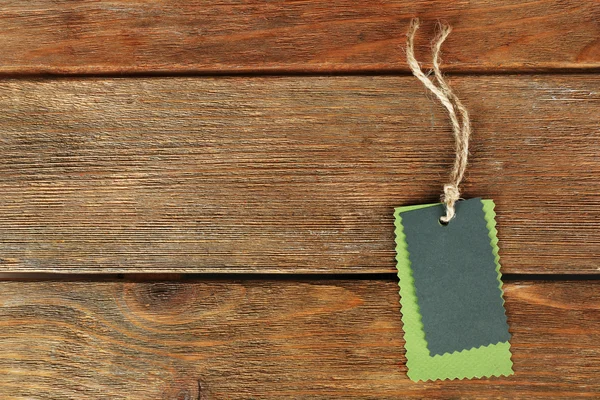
191	36
224	339
286	174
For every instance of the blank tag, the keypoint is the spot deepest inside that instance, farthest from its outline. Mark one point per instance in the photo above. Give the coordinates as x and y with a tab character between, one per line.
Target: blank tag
453	311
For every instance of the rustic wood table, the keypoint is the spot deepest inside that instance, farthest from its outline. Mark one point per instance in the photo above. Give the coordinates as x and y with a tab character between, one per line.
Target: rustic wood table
196	197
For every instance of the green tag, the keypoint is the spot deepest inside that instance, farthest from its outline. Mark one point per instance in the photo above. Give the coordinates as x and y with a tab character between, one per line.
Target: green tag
450	289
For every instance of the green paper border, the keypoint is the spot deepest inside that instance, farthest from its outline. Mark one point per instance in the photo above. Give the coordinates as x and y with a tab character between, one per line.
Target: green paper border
481	362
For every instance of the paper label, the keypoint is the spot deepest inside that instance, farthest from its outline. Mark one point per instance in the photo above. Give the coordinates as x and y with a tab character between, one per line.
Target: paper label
453	311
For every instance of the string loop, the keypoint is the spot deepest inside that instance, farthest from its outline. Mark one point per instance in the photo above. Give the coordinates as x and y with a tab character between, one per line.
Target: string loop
459	116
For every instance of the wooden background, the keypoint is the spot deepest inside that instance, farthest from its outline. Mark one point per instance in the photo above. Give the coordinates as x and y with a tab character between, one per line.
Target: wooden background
196	198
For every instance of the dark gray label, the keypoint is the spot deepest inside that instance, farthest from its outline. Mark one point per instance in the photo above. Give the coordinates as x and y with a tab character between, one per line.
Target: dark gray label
455	278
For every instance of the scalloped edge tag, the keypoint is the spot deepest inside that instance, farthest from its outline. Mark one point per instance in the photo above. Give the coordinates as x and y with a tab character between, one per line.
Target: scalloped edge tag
481	362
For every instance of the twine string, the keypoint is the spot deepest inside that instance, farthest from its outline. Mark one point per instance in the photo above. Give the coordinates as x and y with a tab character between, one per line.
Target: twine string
459	116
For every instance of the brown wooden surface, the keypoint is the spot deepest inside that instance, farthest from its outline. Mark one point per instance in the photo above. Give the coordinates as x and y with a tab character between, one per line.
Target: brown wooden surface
271	339
286	174
161	176
43	36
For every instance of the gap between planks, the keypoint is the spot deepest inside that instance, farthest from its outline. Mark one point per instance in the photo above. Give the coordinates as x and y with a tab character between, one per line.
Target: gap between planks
193	278
253	73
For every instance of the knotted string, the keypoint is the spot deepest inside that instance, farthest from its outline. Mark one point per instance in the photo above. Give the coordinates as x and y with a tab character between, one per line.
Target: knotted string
459	116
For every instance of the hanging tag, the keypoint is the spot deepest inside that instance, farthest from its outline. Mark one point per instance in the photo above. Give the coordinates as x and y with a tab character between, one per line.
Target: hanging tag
451	292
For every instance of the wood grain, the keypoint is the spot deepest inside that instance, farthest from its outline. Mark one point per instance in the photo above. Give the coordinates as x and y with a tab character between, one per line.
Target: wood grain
265	339
286	174
192	36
